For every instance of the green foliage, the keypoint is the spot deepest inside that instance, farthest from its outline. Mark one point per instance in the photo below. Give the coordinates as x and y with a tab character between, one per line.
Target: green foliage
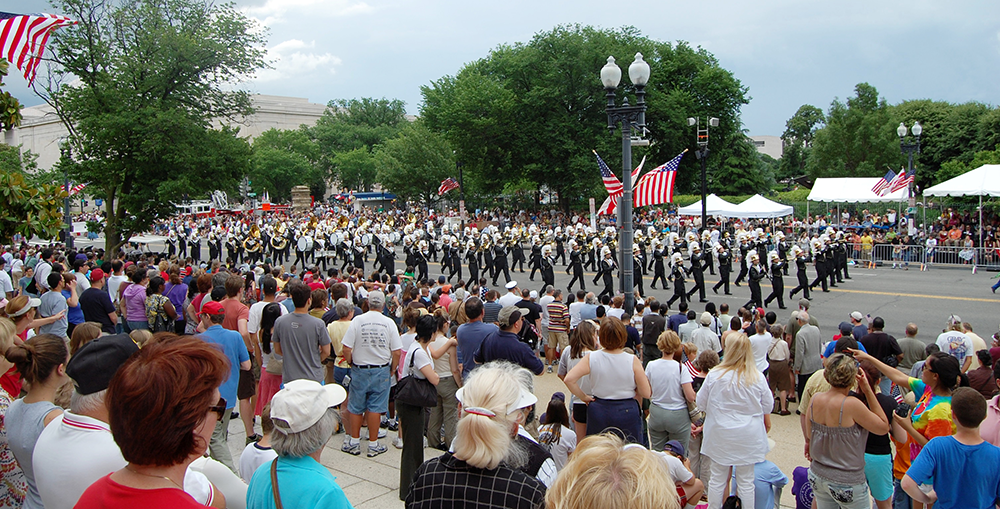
153	76
10	107
285	159
28	209
956	167
532	112
413	164
800	130
859	139
349	125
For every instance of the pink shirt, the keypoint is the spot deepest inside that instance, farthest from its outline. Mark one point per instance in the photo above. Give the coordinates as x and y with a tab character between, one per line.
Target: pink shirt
989	429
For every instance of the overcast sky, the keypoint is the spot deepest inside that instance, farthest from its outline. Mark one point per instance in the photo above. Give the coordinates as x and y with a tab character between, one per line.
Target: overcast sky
787	52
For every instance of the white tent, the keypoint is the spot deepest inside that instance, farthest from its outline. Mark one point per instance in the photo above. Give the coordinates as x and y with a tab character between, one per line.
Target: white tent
983	181
851	190
757	206
715	206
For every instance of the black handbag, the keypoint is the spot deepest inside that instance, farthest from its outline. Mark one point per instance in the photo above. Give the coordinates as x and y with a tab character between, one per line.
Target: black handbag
415	391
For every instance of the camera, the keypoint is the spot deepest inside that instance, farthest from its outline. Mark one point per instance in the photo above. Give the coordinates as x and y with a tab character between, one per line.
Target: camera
903	409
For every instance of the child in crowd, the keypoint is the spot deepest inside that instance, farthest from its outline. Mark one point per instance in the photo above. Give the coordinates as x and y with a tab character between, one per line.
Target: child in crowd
257	453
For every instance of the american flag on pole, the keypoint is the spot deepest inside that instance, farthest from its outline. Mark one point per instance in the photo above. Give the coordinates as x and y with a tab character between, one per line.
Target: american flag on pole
76	189
23	38
613	185
902	180
657	186
882	186
447	185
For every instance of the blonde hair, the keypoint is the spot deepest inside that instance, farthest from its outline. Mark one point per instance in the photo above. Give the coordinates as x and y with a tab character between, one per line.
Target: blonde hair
668	342
8	331
840	370
483	440
739	358
604	472
140	337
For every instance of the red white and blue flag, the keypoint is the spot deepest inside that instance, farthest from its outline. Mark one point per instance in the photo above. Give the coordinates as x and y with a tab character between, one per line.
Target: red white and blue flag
23	38
76	189
614	187
903	180
882	186
657	186
447	185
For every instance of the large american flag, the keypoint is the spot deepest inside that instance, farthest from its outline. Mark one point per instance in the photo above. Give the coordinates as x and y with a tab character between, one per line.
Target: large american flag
657	186
23	38
447	185
76	189
614	187
902	180
882	186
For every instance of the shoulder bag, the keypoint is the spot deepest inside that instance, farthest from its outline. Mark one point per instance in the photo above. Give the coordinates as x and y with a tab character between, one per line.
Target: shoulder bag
415	391
274	484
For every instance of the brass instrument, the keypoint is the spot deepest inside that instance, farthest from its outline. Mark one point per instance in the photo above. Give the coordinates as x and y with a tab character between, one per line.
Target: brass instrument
313	222
411	218
343	222
278	240
252	243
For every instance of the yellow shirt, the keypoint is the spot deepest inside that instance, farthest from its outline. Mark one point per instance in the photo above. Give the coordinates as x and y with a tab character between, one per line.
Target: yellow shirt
336	329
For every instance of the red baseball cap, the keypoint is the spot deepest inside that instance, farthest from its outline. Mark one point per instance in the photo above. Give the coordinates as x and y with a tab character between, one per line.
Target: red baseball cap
213	308
96	275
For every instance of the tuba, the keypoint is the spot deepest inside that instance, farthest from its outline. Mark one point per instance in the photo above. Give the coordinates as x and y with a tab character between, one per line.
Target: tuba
252	243
278	240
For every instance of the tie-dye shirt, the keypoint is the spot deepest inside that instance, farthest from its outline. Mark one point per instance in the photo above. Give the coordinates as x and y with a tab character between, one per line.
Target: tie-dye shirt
931	416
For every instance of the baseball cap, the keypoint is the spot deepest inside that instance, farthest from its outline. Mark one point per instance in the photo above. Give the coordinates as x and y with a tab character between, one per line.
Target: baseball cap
857	315
96	275
954	320
511	285
845	328
376	298
213	308
524	400
675	447
706	318
95	364
32	303
302	403
508	315
533	295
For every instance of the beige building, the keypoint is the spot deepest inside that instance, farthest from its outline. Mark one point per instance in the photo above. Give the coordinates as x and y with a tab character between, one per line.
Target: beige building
770	145
41	130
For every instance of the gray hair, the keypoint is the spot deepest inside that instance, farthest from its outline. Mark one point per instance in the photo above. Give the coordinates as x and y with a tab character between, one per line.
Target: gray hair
87	404
591	299
305	442
344	307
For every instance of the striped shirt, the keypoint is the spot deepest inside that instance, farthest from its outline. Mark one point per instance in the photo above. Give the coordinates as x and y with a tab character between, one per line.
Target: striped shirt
558	317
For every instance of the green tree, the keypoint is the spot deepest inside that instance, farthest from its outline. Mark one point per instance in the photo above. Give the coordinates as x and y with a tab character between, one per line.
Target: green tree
797	140
153	77
530	113
859	139
10	107
349	125
956	167
29	208
285	159
413	164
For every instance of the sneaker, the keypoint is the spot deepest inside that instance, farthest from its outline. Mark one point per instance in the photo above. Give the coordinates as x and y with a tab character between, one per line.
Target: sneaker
393	425
397	442
253	438
374	449
550	368
384	422
381	433
349	448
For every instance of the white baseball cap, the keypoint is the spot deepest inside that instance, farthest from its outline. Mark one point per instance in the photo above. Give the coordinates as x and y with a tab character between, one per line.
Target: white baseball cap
301	403
525	400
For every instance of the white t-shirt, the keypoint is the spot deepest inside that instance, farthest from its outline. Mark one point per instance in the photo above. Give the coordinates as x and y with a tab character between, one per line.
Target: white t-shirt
256	311
509	299
82	283
566	364
760	343
113	283
544	302
666	377
419	357
615	312
442	365
6	285
678	472
254	456
372	337
574	314
956	344
560	450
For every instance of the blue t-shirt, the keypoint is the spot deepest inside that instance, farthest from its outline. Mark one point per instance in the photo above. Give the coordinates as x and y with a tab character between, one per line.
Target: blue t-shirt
828	351
965	476
470	336
74	313
766	477
302	482
232	346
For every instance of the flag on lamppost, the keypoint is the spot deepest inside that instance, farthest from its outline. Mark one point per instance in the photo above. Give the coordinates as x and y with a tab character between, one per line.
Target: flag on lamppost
882	185
76	189
447	185
657	186
613	185
23	38
904	179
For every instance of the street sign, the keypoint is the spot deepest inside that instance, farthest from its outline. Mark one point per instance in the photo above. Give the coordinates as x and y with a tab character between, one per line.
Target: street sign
911	210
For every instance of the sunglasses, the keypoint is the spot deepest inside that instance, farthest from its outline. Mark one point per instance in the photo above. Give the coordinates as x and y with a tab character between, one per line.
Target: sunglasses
219	408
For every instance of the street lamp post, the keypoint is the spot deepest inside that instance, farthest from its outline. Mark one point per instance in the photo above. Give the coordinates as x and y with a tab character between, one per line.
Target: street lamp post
909	149
702	155
461	190
629	117
64	152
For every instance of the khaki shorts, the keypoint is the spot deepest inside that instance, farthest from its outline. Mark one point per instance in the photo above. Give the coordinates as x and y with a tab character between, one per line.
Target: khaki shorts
558	340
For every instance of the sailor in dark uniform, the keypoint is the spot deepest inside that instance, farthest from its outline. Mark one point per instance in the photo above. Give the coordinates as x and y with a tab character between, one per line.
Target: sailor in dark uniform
782	247
560	245
548	271
182	250
445	253
575	265
800	273
744	251
677	273
517	253
456	259
755	274
659	253
778	265
697	271
420	257
472	258
819	256
500	260
638	264
535	262
725	267
607	272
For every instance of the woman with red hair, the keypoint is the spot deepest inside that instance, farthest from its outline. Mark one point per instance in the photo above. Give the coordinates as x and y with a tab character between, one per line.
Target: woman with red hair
163	404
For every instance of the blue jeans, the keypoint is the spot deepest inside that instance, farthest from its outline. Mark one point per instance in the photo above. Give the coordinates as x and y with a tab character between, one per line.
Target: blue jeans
369	390
997	285
900	499
833	495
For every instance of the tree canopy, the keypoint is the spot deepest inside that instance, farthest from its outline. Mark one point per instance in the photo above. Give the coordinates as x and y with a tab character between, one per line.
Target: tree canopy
534	111
153	79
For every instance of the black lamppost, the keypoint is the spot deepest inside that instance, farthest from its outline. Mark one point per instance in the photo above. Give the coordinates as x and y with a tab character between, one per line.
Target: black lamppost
702	155
629	117
64	161
909	149
461	190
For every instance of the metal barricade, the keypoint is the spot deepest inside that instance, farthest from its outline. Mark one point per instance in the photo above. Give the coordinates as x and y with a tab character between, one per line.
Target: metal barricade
924	257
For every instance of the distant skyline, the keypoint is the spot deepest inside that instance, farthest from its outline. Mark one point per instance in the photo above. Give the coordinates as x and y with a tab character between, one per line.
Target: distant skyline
787	53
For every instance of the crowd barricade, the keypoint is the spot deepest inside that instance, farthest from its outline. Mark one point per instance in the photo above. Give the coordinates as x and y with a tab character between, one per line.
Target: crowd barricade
974	258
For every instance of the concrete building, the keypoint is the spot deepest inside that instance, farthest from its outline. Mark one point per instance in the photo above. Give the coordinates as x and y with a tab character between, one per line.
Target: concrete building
41	130
770	145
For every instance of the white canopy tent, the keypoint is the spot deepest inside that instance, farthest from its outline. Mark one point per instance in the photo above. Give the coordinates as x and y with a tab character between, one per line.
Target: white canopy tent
982	181
757	206
715	206
851	190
